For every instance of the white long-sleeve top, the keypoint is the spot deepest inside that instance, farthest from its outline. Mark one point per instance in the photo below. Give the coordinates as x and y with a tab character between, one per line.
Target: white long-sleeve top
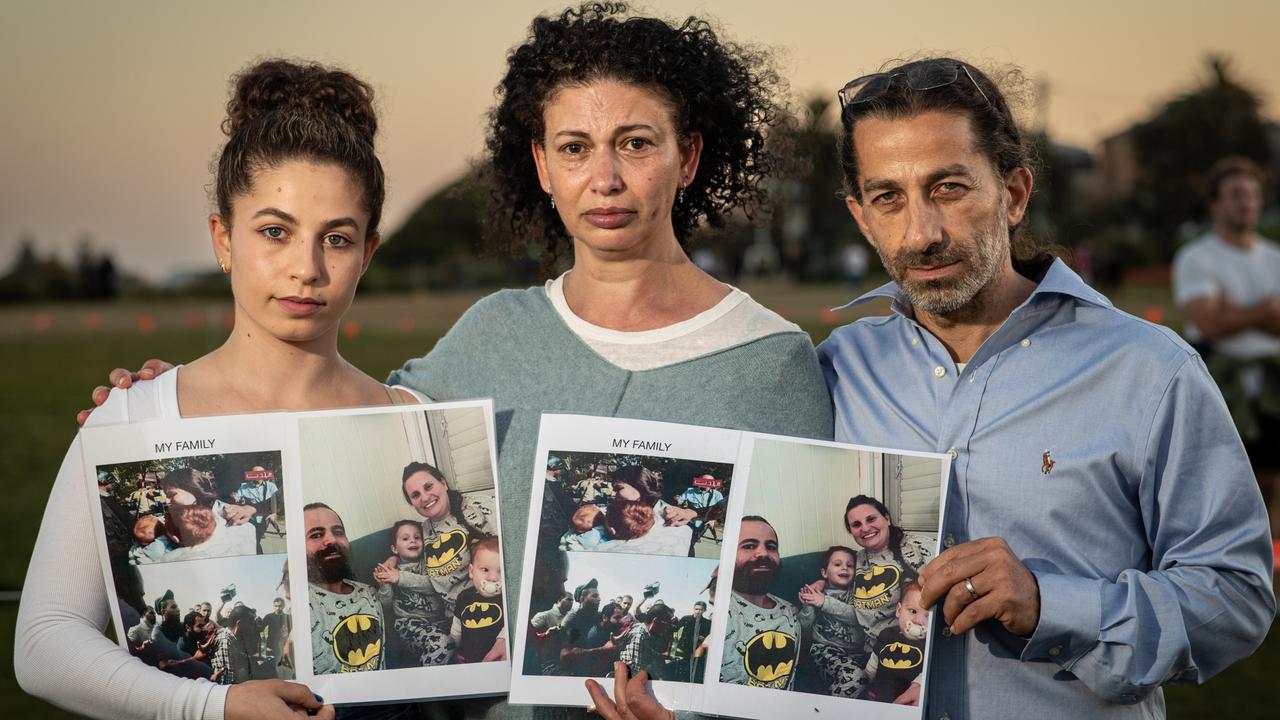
60	652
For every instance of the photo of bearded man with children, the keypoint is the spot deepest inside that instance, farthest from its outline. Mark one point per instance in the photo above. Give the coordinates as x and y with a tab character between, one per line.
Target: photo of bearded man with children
599	502
847	599
408	546
192	508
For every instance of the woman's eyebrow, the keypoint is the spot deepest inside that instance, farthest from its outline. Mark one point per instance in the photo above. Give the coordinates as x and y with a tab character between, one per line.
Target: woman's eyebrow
277	212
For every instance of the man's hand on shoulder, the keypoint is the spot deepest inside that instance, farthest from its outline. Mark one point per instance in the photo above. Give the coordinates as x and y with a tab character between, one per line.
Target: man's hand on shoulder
122	378
1000	587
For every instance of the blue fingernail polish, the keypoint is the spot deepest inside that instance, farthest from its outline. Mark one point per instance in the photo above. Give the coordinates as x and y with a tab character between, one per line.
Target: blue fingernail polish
317	697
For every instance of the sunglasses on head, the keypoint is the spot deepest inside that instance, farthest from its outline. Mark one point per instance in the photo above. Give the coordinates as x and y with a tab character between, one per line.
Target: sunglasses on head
919	77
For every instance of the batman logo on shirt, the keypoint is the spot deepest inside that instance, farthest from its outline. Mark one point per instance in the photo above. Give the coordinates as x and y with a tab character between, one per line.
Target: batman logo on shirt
900	656
871	589
770	657
480	614
445	549
357	642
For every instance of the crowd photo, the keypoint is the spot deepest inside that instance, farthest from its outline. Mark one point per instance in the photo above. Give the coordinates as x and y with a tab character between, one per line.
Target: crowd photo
832	605
226	620
404	567
588	611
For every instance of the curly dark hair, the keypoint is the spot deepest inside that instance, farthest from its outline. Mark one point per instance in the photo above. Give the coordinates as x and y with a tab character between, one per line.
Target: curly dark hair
722	90
280	110
996	132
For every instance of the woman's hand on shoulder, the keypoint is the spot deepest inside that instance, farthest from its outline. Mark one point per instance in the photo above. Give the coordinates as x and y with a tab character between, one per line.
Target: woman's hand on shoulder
273	700
122	378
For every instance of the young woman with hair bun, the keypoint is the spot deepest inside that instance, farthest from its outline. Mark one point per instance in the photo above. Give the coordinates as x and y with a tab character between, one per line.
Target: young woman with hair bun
299	192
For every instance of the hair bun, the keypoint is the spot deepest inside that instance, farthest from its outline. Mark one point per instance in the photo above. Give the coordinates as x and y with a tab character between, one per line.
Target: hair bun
274	85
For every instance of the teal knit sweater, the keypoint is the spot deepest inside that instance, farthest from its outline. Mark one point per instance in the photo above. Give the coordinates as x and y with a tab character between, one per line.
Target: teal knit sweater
513	347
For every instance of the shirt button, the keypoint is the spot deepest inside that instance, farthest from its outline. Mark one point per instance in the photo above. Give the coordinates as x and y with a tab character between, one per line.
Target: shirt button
952	453
939	371
1025	343
944	716
946	631
949	541
1055	651
915	341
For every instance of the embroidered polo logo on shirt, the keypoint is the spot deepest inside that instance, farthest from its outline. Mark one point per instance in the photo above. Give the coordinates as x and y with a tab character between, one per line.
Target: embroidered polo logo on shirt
357	642
769	658
872	589
442	555
479	614
900	656
1047	462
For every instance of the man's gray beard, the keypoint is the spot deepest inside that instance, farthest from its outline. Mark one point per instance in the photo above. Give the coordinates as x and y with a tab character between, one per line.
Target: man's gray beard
951	296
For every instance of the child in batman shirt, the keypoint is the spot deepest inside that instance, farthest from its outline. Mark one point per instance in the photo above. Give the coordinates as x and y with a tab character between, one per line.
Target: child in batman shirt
479	626
421	614
898	654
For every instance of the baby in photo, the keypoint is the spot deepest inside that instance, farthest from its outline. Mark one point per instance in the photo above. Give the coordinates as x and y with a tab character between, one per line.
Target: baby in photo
588	529
898	655
479	629
150	540
837	637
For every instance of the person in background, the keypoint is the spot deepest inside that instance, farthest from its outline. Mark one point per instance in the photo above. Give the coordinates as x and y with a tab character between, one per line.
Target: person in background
1227	284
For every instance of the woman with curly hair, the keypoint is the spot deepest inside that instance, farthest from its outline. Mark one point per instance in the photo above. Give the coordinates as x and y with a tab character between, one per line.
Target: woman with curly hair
613	138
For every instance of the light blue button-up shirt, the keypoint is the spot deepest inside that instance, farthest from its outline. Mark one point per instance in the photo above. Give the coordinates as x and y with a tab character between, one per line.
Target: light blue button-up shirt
1098	447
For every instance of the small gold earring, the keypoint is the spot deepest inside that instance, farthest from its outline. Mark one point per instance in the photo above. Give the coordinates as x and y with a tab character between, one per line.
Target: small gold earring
226	268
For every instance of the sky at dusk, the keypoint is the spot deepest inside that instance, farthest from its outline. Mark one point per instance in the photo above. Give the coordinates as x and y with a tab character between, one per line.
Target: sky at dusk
112	109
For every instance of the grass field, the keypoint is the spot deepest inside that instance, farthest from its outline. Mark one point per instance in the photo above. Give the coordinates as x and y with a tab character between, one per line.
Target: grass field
54	355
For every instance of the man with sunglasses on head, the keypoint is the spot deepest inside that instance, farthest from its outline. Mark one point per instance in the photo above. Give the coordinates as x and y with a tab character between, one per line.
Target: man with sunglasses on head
1103	534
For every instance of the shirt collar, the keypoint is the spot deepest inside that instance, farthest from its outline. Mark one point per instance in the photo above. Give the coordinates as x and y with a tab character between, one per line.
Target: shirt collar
1058	279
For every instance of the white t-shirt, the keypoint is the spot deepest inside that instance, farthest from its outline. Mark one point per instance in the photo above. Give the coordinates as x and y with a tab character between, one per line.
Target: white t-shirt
1210	267
734	320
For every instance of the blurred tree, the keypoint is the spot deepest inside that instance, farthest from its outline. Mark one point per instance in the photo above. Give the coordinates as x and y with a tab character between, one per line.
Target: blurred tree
1176	146
440	246
34	278
807	222
826	226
